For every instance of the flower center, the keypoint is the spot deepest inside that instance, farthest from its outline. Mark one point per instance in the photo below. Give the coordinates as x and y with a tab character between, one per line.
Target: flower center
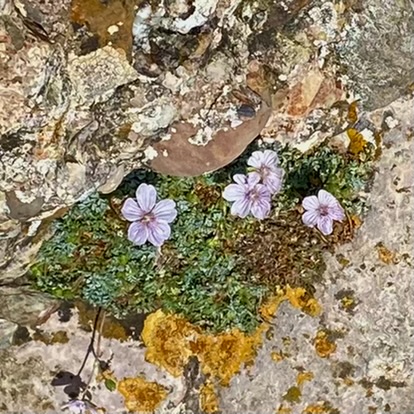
323	210
148	218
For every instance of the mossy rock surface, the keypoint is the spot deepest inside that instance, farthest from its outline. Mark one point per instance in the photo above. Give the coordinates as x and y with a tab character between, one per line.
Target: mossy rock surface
216	269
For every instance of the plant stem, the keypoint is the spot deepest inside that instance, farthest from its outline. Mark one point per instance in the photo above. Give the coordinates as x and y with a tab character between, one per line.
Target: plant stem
90	347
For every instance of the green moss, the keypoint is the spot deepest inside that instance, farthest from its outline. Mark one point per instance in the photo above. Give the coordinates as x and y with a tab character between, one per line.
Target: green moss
216	269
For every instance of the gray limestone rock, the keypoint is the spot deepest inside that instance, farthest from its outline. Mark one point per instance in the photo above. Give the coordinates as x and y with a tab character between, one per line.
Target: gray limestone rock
378	50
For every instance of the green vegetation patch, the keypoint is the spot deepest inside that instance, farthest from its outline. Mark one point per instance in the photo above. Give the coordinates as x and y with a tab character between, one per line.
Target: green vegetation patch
216	269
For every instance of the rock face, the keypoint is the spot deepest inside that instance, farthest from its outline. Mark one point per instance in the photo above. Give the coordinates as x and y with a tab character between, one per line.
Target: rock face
351	358
378	50
90	90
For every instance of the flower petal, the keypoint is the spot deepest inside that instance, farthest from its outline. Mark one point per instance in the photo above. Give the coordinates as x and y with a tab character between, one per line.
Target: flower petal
325	225
131	211
260	209
256	159
138	233
337	212
241	208
274	180
253	178
234	192
240	179
165	210
310	203
327	199
270	158
146	197
310	218
159	231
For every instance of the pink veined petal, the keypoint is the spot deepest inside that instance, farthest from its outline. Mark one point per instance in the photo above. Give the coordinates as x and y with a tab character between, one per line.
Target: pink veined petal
337	212
165	210
261	208
239	179
263	192
241	208
146	197
138	233
270	158
234	192
325	225
310	203
131	211
327	199
274	180
253	178
255	160
310	218
159	231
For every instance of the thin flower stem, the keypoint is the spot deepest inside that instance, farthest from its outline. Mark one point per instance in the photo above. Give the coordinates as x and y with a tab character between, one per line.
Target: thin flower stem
90	347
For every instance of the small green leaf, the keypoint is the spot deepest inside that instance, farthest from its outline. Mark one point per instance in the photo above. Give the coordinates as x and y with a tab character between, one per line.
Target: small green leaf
110	384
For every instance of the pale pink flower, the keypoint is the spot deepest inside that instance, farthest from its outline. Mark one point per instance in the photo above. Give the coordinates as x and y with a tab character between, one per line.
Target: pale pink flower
265	164
248	196
150	220
322	211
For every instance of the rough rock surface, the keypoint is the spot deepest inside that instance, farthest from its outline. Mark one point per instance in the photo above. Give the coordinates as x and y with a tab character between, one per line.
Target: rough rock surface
356	357
85	98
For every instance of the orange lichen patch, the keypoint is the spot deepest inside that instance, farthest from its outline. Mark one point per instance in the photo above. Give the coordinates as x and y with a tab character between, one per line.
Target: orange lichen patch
141	395
171	340
303	377
301	299
323	346
277	356
269	308
223	355
385	255
168	339
358	143
208	399
315	409
356	222
353	112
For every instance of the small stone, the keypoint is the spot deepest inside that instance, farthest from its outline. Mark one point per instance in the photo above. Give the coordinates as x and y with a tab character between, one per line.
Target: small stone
7	330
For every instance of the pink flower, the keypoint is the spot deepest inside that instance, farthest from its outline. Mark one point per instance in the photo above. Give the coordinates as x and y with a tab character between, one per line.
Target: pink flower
80	407
322	211
265	164
150	220
248	196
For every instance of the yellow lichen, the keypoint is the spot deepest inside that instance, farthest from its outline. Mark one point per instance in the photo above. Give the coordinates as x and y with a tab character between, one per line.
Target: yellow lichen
141	395
168	339
353	112
347	302
323	346
208	398
293	395
358	143
385	255
277	356
269	308
315	409
171	340
300	298
303	377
